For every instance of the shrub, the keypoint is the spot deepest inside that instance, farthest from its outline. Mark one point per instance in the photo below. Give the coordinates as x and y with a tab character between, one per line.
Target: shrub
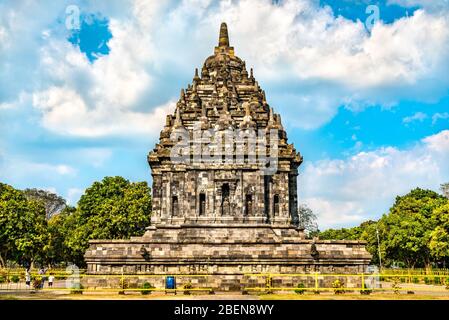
415	280
124	284
338	285
365	290
427	280
300	289
268	285
145	287
395	286
447	283
15	278
3	276
188	285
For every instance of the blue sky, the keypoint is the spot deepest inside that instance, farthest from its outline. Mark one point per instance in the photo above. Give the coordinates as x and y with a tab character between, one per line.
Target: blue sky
367	108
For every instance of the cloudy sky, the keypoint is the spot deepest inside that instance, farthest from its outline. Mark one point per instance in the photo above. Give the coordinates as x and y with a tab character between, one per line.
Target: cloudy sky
362	86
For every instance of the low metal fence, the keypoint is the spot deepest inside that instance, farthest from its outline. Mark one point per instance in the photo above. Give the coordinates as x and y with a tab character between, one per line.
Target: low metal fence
436	281
367	282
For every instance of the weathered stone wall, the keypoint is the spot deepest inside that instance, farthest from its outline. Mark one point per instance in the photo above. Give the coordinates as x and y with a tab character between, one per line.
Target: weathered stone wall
310	277
227	255
187	186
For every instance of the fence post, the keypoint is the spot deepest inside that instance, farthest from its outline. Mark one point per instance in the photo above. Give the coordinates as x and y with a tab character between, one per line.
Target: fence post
363	282
316	281
268	283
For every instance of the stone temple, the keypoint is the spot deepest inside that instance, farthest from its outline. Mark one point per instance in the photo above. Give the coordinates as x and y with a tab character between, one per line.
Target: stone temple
232	211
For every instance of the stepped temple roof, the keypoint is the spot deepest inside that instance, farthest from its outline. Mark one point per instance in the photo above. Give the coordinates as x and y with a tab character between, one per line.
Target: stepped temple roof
224	95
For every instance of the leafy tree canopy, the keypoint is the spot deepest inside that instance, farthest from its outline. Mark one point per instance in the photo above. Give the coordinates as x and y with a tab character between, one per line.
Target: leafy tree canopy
414	232
23	228
307	220
111	209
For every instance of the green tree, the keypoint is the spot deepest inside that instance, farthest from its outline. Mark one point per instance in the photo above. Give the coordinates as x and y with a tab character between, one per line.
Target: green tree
409	226
342	234
58	228
308	220
23	228
366	231
445	189
111	209
415	232
439	237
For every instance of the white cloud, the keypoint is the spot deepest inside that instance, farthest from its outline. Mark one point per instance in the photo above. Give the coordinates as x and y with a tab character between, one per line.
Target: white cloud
50	189
116	83
73	195
297	43
60	168
439	143
22	99
428	4
363	186
96	156
328	62
437	116
336	212
418	116
77	97
67	113
16	169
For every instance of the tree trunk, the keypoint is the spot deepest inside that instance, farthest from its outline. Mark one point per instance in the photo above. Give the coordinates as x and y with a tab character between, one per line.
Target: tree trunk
427	265
410	263
2	262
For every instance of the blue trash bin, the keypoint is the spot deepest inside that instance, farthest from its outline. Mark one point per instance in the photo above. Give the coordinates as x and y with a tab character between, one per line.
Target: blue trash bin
170	283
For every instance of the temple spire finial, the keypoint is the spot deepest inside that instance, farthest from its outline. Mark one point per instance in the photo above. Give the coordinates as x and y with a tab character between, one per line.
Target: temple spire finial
196	77
223	41
178	121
